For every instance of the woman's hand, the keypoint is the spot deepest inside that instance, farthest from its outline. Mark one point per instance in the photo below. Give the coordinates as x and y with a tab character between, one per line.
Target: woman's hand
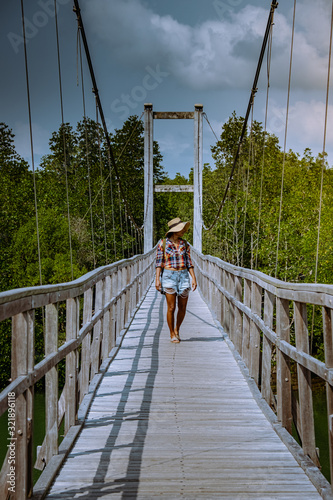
194	284
158	284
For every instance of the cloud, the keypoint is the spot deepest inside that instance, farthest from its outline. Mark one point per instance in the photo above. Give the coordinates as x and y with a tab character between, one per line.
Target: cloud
305	126
218	53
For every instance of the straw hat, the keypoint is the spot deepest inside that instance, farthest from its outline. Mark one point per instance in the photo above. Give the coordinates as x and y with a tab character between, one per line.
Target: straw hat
176	225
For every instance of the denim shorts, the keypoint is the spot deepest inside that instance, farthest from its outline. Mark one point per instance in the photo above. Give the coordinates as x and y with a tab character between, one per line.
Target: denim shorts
176	282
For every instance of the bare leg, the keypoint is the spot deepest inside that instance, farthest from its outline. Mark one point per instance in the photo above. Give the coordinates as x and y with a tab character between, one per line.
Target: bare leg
171	304
182	303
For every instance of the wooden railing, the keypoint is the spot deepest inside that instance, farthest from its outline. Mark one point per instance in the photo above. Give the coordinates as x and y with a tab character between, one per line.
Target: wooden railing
98	308
267	321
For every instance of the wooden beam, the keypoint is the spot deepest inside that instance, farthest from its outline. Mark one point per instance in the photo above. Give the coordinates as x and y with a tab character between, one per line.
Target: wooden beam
167	115
176	188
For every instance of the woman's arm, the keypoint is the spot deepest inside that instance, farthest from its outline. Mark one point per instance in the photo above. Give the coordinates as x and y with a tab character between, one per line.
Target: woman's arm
194	280
158	284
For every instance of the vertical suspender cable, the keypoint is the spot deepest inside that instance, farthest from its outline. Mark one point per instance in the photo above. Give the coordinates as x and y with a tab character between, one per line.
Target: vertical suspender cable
95	90
285	138
87	149
31	143
322	167
247	186
112	208
324	147
64	138
269	57
274	5
102	185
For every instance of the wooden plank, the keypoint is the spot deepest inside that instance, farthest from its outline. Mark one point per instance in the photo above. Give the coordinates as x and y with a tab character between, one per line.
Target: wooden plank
328	346
97	331
245	353
51	383
172	115
173	188
267	348
71	363
238	326
304	384
178	419
255	332
283	374
19	441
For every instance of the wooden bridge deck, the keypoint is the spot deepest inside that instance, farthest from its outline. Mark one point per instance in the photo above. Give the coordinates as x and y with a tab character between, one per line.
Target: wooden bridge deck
178	422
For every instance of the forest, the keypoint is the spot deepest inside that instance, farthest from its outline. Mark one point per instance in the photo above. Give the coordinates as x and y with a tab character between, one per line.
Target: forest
69	216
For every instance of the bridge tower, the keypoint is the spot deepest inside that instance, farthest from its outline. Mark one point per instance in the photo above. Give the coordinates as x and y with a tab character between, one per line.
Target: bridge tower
149	188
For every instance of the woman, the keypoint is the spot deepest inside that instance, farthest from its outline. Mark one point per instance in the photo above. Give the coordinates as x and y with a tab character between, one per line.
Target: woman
173	256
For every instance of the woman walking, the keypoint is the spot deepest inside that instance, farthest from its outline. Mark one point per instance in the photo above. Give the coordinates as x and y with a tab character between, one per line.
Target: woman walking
174	258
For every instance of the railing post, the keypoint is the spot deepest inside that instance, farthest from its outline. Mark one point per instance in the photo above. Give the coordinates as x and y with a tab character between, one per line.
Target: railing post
71	362
246	324
51	383
86	344
231	290
20	357
107	329
304	384
227	321
97	330
255	333
328	345
267	349
238	314
283	373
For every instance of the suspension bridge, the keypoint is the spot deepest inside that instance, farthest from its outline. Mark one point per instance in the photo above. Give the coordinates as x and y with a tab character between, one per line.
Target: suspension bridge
139	417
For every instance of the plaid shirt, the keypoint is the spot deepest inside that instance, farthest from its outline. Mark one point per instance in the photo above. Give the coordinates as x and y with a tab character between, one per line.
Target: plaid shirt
177	258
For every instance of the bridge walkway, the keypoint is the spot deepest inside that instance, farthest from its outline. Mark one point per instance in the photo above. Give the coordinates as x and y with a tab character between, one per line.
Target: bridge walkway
178	421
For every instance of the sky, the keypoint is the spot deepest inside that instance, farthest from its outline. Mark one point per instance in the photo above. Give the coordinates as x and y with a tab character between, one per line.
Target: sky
172	54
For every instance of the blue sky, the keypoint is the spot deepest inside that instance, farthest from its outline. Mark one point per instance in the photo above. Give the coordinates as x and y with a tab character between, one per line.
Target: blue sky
173	54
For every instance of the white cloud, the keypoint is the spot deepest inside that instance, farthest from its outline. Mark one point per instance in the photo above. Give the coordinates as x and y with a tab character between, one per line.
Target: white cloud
305	126
217	53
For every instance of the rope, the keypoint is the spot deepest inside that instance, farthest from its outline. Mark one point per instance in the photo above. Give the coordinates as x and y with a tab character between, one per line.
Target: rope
269	58
31	143
247	187
118	158
112	209
102	184
211	128
285	138
324	147
64	139
252	95
95	91
322	168
87	150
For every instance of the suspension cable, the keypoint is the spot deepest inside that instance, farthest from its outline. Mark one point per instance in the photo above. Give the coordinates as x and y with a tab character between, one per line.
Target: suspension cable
285	138
324	146
269	59
31	142
112	208
64	138
87	148
254	89
77	10
110	173
102	184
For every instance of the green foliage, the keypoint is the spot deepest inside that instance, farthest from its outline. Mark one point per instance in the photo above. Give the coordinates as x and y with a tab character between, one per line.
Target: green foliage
80	207
81	218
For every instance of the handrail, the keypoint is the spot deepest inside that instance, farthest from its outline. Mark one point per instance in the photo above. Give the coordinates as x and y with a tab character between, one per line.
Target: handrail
99	308
259	313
